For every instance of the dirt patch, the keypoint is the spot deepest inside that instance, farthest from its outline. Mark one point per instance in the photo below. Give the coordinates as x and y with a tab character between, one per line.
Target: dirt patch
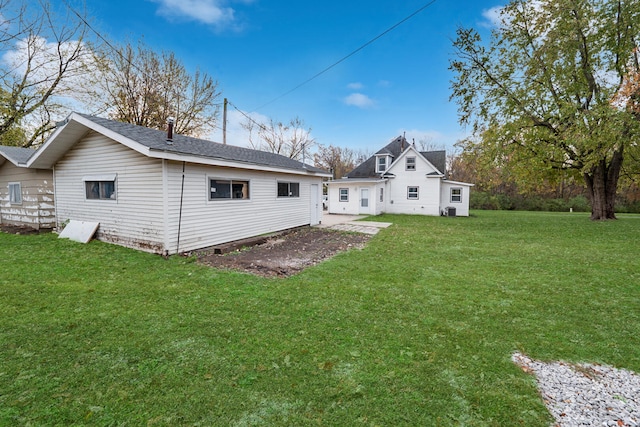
18	229
286	254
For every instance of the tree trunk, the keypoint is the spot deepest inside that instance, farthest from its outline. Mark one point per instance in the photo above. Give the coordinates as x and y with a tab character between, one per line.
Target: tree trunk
602	184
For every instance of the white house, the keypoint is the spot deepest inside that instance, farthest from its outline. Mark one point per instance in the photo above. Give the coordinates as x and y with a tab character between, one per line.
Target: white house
26	195
165	193
400	179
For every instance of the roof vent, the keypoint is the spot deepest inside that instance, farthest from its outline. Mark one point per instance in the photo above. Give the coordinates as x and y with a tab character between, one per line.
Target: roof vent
170	121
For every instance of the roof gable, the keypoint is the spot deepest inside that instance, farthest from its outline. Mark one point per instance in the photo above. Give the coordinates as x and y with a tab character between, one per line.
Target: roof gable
396	148
154	143
367	169
16	155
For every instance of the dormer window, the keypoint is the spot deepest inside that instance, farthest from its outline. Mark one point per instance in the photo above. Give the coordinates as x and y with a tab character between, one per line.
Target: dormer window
382	163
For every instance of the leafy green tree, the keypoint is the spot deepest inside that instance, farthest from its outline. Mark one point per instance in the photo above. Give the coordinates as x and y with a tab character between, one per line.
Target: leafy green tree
546	93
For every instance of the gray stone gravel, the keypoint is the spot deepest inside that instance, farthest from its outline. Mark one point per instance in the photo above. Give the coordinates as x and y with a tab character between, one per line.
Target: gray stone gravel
586	394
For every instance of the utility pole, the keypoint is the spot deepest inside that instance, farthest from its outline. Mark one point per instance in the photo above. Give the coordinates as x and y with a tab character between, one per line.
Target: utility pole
224	122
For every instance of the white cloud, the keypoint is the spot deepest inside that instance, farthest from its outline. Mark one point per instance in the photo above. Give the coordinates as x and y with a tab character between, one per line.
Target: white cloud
211	12
492	17
355	86
359	100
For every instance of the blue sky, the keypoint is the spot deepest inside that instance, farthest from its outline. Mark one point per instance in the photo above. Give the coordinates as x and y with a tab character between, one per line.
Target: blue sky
258	50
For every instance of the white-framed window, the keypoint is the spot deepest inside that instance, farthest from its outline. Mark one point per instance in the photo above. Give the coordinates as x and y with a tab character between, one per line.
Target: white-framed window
456	195
288	189
225	189
381	195
344	194
381	164
410	163
413	193
15	193
100	190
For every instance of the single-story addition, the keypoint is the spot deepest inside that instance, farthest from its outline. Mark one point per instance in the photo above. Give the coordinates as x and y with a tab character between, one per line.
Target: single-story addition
26	195
399	179
165	193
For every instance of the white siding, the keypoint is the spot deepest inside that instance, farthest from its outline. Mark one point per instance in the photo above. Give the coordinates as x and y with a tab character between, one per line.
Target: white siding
37	209
210	222
135	218
397	201
462	207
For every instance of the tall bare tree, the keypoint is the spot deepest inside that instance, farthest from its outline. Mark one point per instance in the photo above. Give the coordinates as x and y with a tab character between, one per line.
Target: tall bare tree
293	139
144	87
45	60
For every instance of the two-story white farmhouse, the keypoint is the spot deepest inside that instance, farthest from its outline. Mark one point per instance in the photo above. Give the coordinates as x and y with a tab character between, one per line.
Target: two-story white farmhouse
399	179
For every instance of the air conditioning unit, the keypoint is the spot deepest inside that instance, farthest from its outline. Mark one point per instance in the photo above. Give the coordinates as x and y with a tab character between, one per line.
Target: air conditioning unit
450	211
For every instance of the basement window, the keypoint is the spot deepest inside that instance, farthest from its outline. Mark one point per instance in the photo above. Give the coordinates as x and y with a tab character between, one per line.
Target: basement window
228	189
15	193
288	189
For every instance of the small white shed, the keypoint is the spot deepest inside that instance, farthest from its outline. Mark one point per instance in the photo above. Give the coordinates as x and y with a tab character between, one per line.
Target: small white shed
169	195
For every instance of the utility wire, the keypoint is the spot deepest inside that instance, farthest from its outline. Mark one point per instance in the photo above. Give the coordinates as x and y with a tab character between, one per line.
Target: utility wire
385	32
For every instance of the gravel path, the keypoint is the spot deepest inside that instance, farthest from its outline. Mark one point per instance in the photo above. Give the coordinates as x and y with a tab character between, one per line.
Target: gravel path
586	394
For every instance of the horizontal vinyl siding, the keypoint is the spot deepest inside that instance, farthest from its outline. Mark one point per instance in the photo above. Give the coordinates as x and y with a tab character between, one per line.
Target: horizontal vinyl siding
37	209
210	222
397	201
135	218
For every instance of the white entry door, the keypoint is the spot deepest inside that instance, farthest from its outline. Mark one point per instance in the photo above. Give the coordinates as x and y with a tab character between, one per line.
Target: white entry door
364	201
315	204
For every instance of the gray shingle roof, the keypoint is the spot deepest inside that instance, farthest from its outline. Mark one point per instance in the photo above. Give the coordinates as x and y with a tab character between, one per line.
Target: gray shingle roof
16	154
367	169
181	144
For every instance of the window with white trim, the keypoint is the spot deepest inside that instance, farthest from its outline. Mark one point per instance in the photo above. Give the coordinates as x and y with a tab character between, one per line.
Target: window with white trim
15	193
381	164
410	163
225	189
344	194
288	189
381	195
412	193
456	195
100	190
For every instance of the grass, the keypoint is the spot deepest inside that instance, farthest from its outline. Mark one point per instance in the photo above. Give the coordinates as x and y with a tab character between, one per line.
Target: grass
416	329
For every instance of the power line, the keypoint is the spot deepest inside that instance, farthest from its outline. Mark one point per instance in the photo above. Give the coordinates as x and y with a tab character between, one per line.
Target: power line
385	32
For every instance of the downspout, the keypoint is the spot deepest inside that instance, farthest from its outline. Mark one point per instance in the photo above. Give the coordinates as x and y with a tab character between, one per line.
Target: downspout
180	215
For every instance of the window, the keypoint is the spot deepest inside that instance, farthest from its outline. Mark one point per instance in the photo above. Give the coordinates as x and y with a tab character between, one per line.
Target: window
15	193
100	190
381	195
344	194
382	164
412	193
288	189
410	163
228	189
456	195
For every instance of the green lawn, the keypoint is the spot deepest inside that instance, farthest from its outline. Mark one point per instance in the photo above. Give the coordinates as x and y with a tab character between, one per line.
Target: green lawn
416	329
